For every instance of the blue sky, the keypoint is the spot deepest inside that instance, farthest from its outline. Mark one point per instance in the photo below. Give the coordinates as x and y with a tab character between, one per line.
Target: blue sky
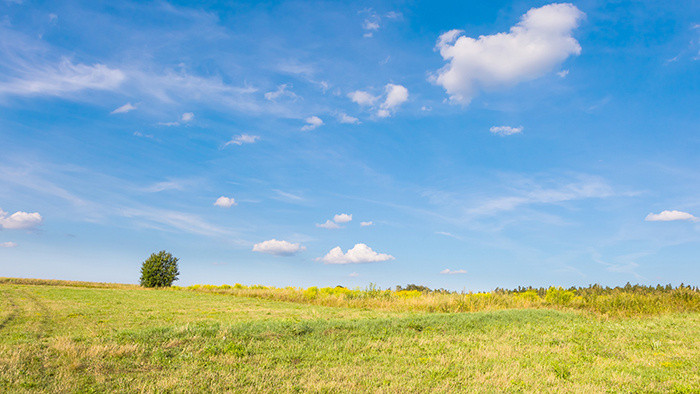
465	145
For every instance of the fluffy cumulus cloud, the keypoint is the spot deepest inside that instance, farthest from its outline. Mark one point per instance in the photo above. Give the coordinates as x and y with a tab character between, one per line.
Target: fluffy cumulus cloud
362	98
187	117
361	253
667	216
278	248
394	96
124	109
242	139
336	222
225	202
505	130
342	218
19	220
312	122
8	244
367	224
448	271
538	43
347	119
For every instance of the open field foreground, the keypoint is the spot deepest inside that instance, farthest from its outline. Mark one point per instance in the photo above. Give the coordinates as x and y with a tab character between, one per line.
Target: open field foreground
123	338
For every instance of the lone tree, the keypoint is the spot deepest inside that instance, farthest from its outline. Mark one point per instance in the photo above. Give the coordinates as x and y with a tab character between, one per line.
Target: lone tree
159	270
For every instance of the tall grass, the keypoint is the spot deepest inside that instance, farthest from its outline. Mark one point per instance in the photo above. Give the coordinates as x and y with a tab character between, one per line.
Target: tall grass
624	301
618	301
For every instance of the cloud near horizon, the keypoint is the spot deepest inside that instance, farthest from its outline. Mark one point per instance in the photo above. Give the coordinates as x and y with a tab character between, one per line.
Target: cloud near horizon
19	220
359	254
667	216
278	248
448	271
541	41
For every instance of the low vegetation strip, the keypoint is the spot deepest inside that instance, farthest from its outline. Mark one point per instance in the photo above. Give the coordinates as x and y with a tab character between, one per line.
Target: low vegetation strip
630	300
620	301
124	340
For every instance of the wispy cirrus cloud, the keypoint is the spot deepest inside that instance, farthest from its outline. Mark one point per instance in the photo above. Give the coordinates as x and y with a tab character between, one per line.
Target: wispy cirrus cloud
128	107
65	77
448	271
242	139
505	130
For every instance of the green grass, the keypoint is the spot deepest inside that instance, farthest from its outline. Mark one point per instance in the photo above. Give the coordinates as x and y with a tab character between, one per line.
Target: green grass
123	338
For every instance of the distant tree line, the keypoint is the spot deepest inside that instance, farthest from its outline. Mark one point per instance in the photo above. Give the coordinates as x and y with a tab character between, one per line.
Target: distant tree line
594	289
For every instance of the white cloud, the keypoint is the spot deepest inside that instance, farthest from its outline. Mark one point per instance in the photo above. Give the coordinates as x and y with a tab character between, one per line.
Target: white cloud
64	78
563	73
278	248
361	253
19	220
124	109
586	187
225	202
328	225
242	139
445	233
395	96
342	218
154	218
280	92
667	216
184	118
312	122
505	130
448	271
345	118
8	244
371	24
365	224
539	42
140	134
362	98
354	275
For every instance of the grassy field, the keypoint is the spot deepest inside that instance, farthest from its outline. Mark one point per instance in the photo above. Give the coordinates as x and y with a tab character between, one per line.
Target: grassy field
99	337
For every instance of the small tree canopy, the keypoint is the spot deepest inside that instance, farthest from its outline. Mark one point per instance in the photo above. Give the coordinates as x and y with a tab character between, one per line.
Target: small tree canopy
159	270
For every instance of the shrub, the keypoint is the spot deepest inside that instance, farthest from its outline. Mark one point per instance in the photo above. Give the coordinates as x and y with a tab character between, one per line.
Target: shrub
159	270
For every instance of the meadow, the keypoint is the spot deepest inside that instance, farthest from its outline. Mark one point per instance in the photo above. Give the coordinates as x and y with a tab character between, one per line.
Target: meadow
81	336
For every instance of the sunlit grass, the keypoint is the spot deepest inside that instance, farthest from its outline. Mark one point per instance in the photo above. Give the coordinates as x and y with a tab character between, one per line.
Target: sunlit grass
124	338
